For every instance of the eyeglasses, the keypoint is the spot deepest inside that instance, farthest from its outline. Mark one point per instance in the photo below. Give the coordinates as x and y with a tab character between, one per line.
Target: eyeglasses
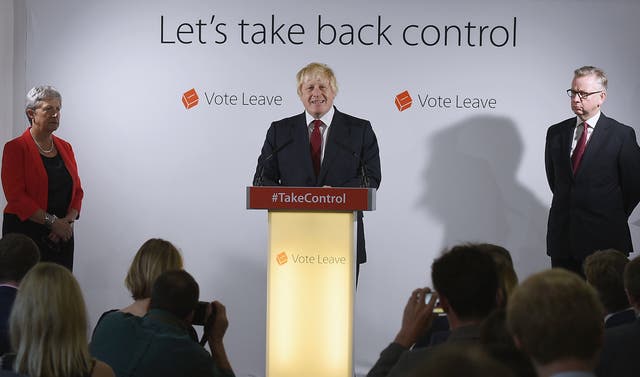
583	95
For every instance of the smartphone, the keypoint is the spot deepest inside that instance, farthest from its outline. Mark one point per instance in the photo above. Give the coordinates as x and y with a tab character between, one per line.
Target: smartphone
437	308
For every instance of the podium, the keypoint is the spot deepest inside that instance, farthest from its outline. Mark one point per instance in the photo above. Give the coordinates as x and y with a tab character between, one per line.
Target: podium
311	277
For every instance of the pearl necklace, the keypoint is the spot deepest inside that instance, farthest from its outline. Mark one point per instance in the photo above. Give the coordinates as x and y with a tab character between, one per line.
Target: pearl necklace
46	151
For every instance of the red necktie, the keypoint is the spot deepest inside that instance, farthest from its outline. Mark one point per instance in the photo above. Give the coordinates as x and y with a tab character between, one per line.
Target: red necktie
316	145
576	157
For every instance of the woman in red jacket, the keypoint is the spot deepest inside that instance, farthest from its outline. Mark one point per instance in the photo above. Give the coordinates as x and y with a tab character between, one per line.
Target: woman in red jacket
40	180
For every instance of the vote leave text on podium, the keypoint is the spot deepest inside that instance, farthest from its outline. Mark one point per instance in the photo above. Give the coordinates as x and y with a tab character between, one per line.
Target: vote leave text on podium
311	277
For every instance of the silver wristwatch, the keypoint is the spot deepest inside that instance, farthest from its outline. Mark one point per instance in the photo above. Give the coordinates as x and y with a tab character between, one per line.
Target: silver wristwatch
49	219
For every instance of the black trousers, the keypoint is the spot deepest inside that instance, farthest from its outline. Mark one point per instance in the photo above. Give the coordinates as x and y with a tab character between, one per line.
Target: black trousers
60	253
569	263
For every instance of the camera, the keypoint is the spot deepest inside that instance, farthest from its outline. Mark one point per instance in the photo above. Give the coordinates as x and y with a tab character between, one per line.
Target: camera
200	314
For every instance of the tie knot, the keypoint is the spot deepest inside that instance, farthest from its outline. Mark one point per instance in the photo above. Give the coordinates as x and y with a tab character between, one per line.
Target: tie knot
317	123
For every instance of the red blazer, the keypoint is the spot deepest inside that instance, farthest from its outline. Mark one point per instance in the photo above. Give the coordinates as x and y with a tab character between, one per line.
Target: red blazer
24	178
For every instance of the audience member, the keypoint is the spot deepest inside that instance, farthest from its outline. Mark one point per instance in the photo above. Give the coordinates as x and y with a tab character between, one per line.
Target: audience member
159	344
498	343
604	270
507	279
154	257
620	355
48	327
456	360
18	253
466	283
556	318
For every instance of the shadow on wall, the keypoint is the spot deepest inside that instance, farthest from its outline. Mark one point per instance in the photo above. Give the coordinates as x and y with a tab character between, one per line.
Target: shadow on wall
472	189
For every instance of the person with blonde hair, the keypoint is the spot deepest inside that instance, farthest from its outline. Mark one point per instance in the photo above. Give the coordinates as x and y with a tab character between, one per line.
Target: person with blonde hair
321	146
154	257
555	317
48	327
160	344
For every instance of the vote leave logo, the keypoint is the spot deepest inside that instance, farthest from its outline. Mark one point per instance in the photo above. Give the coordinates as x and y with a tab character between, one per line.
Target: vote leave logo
282	258
404	101
190	98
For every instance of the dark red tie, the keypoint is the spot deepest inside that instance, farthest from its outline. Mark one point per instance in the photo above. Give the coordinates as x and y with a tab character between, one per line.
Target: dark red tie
316	145
576	157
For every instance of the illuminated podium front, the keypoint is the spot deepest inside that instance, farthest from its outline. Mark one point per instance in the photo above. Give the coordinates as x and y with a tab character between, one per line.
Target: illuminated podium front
311	277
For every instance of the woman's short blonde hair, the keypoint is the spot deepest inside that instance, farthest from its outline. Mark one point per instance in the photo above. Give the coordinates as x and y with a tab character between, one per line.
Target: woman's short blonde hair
48	324
154	257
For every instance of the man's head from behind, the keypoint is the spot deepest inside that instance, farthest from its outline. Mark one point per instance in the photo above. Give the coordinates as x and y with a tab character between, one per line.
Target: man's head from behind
604	270
466	279
176	292
556	316
507	277
632	282
18	253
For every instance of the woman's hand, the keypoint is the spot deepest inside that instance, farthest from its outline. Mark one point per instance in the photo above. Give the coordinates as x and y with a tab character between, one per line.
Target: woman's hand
61	229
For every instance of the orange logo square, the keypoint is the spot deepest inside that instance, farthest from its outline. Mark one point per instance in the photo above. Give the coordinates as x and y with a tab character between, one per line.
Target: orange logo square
190	98
403	101
282	258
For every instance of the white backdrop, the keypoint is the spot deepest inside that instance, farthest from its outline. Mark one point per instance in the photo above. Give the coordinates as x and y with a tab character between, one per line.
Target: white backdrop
151	168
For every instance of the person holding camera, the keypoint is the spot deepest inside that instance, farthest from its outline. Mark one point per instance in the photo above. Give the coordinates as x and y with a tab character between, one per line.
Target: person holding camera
160	344
466	283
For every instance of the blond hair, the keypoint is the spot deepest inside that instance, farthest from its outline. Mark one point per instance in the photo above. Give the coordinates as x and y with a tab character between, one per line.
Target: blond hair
556	315
153	258
48	324
316	70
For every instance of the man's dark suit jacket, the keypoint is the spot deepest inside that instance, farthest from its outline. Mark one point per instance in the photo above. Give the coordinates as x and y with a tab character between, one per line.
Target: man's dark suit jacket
7	297
590	209
621	318
620	356
350	141
395	360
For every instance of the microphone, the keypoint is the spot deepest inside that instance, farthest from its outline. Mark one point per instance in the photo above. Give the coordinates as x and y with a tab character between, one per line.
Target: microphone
364	178
259	178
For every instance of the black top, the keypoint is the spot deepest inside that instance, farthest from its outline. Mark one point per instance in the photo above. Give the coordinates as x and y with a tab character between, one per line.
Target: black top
60	185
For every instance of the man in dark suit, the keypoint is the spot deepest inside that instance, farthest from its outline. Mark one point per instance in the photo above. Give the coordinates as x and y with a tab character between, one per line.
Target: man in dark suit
593	175
620	355
18	253
322	146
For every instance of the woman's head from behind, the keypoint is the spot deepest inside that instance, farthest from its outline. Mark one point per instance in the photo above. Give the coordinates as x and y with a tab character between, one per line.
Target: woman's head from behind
48	324
153	258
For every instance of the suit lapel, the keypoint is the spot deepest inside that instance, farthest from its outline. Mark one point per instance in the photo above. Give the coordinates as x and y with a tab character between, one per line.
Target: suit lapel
337	131
34	155
567	139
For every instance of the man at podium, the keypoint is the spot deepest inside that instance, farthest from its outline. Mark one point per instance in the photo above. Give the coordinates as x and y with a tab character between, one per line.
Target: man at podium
321	146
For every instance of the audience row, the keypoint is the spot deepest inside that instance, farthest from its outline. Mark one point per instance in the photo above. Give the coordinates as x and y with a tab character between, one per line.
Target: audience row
476	321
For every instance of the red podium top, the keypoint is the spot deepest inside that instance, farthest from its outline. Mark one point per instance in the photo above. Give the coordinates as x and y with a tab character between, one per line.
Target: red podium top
311	198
